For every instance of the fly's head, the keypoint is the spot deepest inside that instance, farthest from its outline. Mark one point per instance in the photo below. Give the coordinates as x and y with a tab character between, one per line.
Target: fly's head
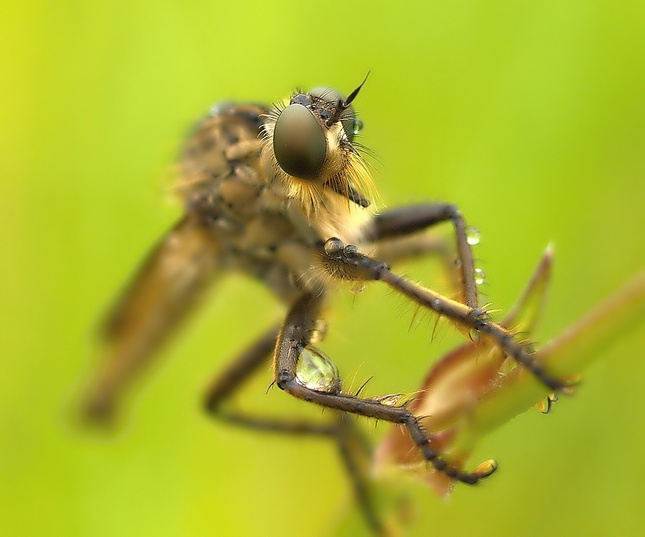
309	142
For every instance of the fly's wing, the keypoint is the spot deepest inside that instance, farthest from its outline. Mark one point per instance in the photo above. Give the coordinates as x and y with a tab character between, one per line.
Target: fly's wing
161	295
218	164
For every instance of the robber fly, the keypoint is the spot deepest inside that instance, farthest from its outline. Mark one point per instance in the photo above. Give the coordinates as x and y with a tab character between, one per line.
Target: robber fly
284	195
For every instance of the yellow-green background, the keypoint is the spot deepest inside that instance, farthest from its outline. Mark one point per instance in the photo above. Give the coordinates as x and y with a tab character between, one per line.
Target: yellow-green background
529	115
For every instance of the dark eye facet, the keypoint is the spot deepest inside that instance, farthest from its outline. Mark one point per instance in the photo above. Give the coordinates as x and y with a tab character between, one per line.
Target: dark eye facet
299	142
348	118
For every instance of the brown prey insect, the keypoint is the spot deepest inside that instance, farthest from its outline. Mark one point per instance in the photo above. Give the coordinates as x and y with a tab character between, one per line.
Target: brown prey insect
283	195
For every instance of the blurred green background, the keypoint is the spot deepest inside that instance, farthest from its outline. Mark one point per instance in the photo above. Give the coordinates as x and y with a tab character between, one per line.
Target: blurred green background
528	115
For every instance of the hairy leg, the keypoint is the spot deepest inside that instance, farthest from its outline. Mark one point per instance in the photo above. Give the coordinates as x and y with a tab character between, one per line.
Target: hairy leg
345	262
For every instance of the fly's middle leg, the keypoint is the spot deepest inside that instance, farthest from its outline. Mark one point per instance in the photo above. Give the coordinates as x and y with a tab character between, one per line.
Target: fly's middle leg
411	219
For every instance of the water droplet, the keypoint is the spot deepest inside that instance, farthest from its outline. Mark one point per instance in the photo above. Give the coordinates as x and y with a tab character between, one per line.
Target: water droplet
350	250
472	235
357	126
480	276
333	246
357	287
318	332
569	390
392	399
570	385
486	468
317	372
474	335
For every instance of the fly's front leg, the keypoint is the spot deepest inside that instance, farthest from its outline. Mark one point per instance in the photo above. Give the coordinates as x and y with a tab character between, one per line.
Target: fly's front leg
414	218
345	262
306	373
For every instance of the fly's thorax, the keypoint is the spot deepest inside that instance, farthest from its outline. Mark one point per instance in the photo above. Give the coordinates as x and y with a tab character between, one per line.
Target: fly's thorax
334	218
267	222
219	167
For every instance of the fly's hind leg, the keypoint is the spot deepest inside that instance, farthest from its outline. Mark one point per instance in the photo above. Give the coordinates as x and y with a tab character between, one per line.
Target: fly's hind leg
352	446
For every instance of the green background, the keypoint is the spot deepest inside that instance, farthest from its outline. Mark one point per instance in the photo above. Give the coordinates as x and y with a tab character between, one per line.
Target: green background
528	115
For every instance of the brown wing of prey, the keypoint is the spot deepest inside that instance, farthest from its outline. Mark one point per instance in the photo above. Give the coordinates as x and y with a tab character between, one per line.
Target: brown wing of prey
161	295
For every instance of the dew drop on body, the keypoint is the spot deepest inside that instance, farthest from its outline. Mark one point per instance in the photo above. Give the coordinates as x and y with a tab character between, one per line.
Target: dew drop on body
472	235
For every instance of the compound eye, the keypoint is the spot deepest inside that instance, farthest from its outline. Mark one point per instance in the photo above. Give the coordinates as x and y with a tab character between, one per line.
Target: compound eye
351	124
299	142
